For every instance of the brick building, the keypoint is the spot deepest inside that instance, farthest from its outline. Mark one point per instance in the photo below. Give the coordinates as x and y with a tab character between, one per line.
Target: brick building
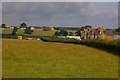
91	33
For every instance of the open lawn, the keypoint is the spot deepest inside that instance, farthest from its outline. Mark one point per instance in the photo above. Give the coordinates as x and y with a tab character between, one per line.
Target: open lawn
37	59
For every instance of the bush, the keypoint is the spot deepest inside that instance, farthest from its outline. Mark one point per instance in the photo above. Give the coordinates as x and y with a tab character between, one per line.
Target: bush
63	32
46	29
28	31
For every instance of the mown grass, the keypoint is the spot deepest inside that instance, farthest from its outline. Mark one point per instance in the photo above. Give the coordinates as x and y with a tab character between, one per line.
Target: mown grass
37	59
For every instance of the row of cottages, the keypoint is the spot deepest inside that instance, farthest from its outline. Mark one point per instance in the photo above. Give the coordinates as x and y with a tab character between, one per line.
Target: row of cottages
31	27
91	33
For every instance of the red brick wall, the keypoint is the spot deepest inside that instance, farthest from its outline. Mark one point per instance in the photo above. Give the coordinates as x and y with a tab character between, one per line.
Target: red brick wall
109	37
85	37
92	37
101	36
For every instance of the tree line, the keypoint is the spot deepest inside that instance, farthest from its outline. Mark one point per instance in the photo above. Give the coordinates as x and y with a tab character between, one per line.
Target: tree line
62	32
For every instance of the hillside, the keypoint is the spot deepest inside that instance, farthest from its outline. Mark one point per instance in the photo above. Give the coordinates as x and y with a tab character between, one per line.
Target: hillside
37	59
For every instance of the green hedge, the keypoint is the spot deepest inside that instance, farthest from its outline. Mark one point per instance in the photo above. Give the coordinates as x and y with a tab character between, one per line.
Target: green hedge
108	45
9	36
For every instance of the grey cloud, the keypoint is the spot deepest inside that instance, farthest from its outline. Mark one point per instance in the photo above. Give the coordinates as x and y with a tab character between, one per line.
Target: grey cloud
71	14
60	0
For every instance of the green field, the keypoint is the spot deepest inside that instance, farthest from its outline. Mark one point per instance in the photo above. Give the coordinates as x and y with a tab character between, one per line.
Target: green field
37	59
35	32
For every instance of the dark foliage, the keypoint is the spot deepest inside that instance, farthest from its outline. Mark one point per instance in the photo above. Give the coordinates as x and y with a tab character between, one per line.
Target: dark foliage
14	31
118	30
63	32
3	25
70	34
23	25
56	33
46	29
88	26
28	31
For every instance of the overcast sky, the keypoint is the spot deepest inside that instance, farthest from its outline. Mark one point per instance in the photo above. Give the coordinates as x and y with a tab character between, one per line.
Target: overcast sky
59	0
74	14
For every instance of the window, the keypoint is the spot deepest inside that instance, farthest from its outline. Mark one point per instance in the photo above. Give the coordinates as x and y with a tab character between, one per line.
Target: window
102	37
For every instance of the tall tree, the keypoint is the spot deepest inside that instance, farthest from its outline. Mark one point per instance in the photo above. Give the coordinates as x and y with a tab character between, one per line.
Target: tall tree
23	25
3	25
14	31
118	30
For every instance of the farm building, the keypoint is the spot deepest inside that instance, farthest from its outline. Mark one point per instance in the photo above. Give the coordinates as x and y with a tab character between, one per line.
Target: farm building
72	37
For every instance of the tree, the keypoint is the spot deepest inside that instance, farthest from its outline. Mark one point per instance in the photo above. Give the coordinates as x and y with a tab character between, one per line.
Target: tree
56	33
70	34
14	31
96	29
108	29
46	29
88	26
63	32
78	31
118	30
58	28
23	25
28	31
3	25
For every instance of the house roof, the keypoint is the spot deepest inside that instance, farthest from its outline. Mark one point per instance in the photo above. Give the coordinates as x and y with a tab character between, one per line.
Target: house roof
37	27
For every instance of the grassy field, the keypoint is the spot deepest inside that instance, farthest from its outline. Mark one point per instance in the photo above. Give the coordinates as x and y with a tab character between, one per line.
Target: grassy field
35	32
37	59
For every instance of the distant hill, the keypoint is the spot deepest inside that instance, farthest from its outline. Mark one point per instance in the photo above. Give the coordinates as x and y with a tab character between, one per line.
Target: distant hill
66	28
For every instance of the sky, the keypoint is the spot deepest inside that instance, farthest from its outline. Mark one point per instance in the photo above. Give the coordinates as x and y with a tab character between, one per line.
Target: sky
68	14
59	0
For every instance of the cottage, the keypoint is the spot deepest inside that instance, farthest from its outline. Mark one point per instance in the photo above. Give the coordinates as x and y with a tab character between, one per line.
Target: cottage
20	37
51	28
39	28
91	33
11	27
110	35
32	28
